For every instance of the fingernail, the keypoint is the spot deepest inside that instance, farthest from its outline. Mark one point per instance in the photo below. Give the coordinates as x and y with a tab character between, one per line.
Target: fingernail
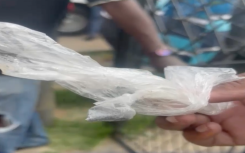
171	119
202	128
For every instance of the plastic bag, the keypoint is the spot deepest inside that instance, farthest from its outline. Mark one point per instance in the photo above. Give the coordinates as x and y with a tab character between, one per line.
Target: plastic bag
121	92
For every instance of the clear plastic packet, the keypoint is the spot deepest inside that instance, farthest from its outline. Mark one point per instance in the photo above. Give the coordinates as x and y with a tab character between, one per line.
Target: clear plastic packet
121	93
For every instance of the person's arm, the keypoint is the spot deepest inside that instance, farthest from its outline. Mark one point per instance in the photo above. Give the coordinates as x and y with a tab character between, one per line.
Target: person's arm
132	18
129	15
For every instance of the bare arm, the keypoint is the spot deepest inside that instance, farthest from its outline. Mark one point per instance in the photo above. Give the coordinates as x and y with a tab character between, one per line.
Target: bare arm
129	15
132	18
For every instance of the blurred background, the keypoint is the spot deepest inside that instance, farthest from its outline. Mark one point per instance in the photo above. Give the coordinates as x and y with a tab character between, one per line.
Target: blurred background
200	32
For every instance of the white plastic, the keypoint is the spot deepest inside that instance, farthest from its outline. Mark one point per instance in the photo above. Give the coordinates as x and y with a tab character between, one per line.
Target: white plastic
121	92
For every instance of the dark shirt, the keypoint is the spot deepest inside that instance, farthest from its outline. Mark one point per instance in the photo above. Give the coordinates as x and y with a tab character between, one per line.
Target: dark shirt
40	15
97	2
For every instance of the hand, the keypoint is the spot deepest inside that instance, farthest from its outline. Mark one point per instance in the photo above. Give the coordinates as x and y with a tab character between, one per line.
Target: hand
225	129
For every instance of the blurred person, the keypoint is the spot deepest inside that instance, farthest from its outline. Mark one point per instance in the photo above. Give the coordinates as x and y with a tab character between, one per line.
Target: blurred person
95	22
20	126
177	35
115	36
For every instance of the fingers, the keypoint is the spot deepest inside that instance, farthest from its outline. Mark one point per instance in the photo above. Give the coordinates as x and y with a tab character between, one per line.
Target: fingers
197	129
175	123
181	122
205	135
232	91
220	94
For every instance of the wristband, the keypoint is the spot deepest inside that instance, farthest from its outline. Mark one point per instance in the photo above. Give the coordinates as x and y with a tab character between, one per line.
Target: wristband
161	53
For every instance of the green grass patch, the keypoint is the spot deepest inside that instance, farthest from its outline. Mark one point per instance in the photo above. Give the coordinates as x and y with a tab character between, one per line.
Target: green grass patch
75	135
67	99
98	53
79	134
83	135
138	125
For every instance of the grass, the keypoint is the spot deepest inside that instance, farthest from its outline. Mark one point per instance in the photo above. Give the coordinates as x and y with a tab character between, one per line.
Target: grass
69	134
75	135
98	53
138	125
69	100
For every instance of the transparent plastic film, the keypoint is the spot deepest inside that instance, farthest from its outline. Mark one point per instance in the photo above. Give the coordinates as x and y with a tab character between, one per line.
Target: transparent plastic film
121	93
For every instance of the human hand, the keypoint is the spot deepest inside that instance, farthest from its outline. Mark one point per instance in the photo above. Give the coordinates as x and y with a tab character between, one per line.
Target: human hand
225	129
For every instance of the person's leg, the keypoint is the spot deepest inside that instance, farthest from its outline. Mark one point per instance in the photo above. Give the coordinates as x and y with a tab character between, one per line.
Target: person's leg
113	36
110	32
18	98
95	22
35	135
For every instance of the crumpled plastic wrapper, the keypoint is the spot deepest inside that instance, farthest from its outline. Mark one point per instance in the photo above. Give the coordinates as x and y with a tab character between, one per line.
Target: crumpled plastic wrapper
121	93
